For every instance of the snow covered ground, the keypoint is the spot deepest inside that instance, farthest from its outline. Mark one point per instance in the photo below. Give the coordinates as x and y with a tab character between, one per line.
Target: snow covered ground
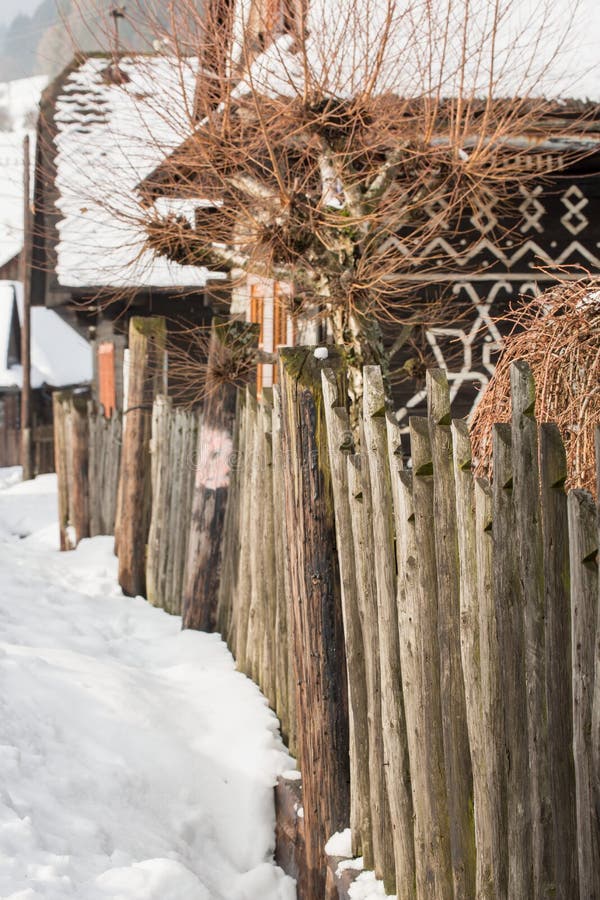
135	762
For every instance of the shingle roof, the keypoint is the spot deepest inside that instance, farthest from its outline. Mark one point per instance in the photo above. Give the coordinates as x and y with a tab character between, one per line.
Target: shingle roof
110	128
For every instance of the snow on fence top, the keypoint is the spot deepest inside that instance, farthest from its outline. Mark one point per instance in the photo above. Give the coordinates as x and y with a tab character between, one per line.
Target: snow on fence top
59	355
113	127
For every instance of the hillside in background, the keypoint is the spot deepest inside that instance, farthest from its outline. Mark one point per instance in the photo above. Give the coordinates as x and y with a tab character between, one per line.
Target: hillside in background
44	42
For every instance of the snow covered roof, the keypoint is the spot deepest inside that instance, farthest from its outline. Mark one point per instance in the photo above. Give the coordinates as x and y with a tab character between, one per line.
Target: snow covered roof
59	355
18	106
538	49
110	132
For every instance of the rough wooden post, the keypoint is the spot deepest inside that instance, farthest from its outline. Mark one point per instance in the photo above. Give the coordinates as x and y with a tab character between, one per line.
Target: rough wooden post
596	701
321	699
409	628
213	470
528	523
508	601
459	780
583	554
59	415
232	536
80	459
479	659
284	679
439	884
392	701
147	338
559	701
244	582
257	622
359	493
492	699
160	477
268	664
339	442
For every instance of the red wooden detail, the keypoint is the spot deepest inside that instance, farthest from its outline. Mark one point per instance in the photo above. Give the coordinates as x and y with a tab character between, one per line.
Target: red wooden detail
107	394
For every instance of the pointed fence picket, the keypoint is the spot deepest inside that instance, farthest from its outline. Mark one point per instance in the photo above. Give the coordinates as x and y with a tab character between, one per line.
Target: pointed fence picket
429	640
470	624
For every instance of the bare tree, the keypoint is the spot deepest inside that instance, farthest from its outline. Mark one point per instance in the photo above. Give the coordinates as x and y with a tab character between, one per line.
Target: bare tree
334	143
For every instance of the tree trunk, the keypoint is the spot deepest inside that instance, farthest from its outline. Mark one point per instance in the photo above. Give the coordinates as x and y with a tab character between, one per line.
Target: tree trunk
213	471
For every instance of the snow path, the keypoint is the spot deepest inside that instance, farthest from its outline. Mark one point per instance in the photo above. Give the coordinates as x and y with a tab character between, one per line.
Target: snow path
135	762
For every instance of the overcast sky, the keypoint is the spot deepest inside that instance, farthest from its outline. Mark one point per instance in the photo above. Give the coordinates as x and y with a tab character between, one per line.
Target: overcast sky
11	8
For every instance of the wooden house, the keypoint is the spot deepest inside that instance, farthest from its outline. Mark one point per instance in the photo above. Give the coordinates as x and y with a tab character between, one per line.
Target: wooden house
60	358
552	229
102	127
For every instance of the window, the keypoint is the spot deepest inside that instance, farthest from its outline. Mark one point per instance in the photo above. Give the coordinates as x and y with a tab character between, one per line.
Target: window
268	310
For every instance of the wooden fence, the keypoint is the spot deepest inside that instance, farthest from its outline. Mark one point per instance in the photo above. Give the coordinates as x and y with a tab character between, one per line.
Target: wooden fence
87	451
173	461
429	640
470	650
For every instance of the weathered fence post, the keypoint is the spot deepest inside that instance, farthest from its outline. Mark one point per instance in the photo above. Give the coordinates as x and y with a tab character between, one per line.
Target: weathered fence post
160	478
244	581
508	601
559	700
459	782
339	441
359	493
79	465
147	337
480	661
213	471
285	688
321	700
526	493
583	553
596	702
492	699
59	415
429	747
232	535
392	701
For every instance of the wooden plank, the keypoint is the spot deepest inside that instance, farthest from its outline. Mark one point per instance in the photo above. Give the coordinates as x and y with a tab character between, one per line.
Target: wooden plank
359	493
213	472
479	653
146	379
430	752
459	779
583	555
339	442
94	470
526	494
59	407
284	682
508	601
392	702
232	535
189	422
159	476
492	698
79	472
596	700
321	698
244	583
268	671
559	701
